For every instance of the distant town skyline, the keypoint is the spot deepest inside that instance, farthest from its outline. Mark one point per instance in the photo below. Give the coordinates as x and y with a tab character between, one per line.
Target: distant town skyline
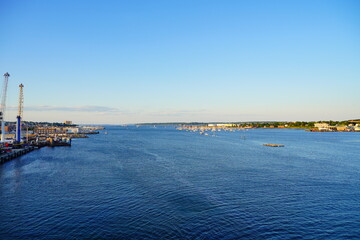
116	62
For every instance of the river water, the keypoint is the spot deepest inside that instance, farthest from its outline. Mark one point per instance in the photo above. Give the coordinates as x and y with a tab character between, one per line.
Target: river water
162	183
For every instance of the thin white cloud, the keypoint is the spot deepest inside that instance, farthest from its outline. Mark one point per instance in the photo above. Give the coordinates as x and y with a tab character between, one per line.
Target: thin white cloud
45	108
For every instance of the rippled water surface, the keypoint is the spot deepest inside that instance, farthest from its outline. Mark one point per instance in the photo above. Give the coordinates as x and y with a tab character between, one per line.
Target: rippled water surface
161	183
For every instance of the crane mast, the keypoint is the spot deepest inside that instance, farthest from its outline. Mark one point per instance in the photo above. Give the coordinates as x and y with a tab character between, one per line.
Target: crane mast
20	113
3	106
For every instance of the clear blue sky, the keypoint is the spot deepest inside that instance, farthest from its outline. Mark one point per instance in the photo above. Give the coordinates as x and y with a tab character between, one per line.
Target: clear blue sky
178	60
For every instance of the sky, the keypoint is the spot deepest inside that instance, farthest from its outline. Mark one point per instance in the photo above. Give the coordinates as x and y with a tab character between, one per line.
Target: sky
133	61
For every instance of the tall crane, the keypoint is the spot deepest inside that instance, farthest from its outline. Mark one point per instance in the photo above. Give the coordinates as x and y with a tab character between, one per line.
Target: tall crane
3	106
20	113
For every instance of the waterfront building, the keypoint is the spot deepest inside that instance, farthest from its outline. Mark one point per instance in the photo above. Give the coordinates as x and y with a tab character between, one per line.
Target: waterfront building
48	130
322	126
225	125
341	128
72	130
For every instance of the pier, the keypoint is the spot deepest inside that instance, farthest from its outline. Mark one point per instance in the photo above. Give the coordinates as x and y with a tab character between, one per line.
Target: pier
15	153
42	137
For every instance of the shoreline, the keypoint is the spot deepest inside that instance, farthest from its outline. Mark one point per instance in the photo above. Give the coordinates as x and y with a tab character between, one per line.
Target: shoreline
232	129
15	150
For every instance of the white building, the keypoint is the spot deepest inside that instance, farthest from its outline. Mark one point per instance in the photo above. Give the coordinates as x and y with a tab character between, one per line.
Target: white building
72	130
322	126
221	125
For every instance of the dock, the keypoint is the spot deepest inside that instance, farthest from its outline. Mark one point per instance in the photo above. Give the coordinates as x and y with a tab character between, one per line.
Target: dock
15	153
273	145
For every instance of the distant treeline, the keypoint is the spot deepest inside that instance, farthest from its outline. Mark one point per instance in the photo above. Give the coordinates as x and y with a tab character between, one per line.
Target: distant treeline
268	124
299	124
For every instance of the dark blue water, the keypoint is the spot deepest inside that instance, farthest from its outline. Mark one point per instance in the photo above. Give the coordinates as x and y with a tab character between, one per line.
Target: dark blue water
161	183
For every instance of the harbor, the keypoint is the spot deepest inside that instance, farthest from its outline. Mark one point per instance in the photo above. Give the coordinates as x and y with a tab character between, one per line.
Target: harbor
193	176
21	137
179	120
11	148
